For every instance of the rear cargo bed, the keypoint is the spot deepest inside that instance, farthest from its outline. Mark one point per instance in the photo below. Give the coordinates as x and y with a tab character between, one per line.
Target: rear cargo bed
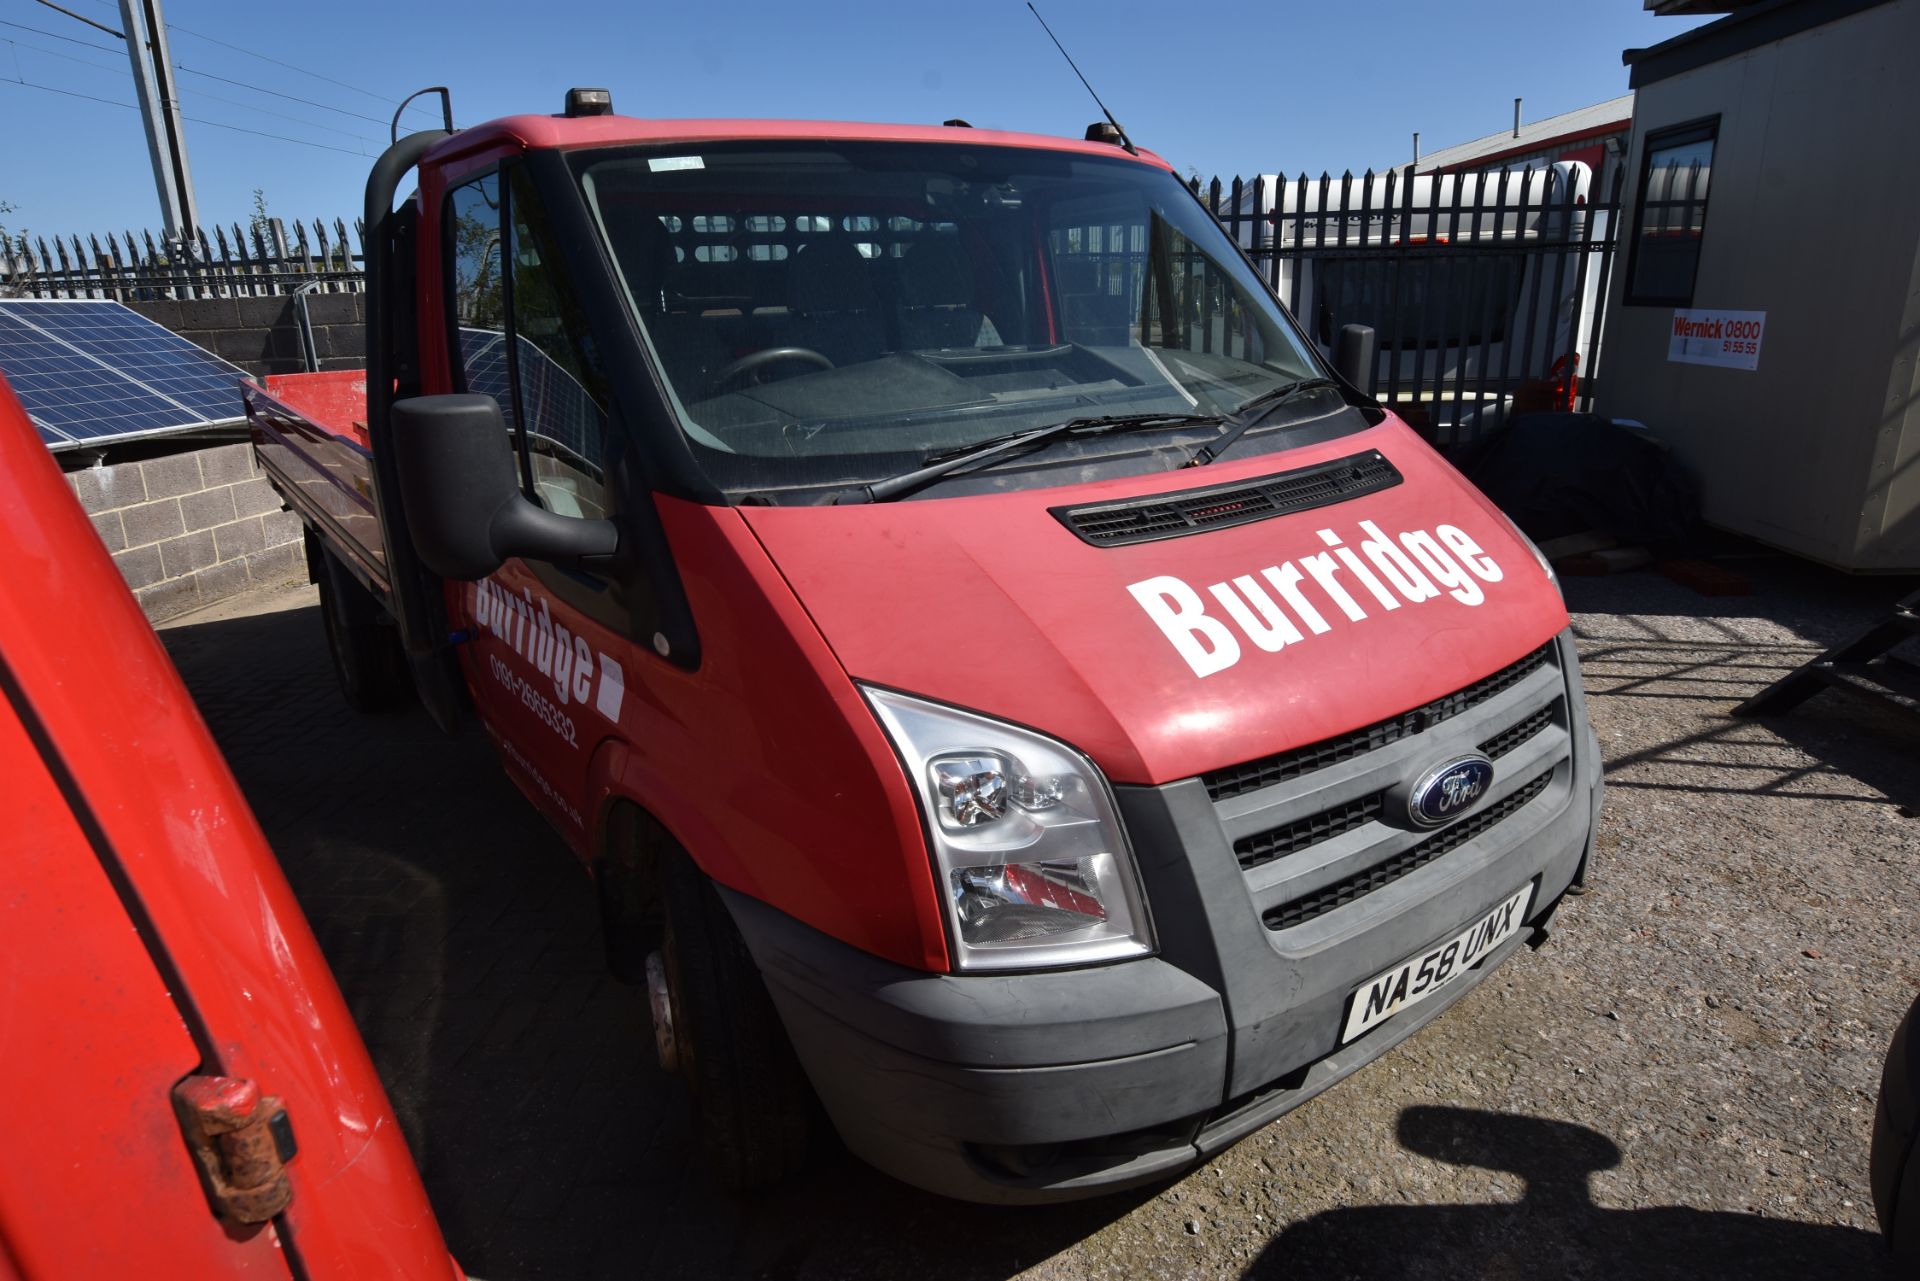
311	438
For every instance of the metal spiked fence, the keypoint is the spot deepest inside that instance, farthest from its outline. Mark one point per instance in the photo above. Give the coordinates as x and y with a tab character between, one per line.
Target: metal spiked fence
271	256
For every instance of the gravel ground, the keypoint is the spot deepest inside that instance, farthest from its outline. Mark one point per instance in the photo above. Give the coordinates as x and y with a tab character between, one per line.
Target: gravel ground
1679	1084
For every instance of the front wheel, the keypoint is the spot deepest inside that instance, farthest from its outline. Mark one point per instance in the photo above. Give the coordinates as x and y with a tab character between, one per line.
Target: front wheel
752	1107
1894	1160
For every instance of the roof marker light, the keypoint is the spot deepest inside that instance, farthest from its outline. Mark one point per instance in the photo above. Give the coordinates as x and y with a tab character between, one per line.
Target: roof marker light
589	102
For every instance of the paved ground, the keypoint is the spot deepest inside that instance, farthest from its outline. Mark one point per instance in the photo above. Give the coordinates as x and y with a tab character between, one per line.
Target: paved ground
1680	1084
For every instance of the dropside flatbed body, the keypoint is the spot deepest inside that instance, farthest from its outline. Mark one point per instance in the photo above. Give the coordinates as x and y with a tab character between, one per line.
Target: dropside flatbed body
310	434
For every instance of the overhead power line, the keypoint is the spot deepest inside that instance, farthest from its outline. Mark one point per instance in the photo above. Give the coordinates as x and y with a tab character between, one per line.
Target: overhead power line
213	124
241	84
277	137
361	141
212	97
290	97
264	57
16	80
65	57
298	120
99	26
55	35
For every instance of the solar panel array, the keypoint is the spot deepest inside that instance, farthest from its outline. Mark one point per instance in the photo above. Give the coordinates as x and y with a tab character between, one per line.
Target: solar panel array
94	372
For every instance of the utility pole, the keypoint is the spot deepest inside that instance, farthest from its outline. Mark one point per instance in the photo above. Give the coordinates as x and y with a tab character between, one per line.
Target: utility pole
153	83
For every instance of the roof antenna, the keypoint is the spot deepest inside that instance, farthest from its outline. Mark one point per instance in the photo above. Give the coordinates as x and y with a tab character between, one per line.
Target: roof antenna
1124	140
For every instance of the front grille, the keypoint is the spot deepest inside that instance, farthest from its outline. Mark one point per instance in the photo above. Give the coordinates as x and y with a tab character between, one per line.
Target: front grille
1278	842
1290	838
1194	511
1340	893
1514	735
1236	780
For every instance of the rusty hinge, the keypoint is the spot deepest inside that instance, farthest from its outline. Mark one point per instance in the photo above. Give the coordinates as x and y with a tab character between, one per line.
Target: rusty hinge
239	1140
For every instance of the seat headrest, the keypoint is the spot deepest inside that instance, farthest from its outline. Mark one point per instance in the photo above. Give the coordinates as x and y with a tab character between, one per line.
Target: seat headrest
936	272
645	253
830	276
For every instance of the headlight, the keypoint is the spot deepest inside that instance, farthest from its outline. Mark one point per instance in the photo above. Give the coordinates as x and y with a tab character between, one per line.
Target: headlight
1034	869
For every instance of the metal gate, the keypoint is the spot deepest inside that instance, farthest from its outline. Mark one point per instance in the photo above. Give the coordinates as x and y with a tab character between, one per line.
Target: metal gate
1487	292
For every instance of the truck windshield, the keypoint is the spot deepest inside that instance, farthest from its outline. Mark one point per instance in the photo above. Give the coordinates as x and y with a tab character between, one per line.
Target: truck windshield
833	312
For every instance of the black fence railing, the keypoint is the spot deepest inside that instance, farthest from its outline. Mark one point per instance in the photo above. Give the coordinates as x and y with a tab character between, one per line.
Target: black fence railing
1487	292
269	257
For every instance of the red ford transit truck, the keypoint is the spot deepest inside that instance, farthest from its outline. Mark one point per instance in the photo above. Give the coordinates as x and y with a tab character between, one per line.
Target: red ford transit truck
1006	681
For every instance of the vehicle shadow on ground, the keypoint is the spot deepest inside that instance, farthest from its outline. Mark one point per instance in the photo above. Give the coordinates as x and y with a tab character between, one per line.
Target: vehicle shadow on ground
466	940
1554	1229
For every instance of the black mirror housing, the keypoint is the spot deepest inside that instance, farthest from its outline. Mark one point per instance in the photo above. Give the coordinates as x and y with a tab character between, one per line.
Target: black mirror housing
461	491
1354	357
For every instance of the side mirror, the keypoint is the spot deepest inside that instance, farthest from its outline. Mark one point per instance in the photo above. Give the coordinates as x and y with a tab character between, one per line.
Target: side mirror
1354	357
461	492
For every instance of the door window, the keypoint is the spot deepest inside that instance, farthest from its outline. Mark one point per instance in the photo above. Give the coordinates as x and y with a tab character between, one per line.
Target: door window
562	397
521	339
478	287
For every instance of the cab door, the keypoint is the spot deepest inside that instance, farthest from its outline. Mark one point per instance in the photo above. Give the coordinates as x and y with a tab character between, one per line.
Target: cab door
548	647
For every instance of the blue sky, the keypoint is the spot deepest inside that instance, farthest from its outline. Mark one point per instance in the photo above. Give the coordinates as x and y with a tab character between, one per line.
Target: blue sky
1224	87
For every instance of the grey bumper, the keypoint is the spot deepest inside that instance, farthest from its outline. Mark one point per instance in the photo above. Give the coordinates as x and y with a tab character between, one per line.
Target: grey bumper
1050	1086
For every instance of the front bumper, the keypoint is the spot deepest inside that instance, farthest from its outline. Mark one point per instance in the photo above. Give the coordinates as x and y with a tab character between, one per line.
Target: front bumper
1055	1085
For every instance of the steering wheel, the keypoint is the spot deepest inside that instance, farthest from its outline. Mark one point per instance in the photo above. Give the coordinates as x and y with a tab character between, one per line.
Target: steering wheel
754	362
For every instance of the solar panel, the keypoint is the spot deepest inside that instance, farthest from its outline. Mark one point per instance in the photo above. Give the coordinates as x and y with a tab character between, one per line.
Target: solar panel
557	406
483	352
91	372
72	397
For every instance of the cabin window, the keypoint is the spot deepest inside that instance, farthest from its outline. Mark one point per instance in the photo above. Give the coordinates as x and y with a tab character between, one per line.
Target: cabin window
560	390
476	284
1670	214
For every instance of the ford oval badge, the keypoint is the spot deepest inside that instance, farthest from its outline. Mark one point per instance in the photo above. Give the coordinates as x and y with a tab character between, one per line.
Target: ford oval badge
1449	790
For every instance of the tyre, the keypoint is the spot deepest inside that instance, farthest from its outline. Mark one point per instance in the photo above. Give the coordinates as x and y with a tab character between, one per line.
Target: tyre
752	1107
367	658
1894	1161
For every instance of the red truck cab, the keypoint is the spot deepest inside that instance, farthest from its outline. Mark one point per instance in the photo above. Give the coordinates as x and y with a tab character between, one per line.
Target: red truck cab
182	1090
1005	679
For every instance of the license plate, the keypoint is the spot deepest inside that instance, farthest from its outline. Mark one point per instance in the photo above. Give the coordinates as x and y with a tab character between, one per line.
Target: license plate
1419	977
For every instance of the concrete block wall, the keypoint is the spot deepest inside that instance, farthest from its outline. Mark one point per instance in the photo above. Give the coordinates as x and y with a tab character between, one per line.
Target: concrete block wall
262	335
192	528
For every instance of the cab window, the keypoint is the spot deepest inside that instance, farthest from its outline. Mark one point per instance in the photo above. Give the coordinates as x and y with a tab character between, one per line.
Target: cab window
562	397
521	339
478	290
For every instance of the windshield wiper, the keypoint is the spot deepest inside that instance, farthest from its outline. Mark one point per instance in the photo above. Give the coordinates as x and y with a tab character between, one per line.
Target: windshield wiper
984	451
1251	413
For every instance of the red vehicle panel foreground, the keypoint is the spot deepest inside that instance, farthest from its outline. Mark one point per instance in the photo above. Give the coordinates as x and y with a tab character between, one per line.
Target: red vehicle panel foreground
150	936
